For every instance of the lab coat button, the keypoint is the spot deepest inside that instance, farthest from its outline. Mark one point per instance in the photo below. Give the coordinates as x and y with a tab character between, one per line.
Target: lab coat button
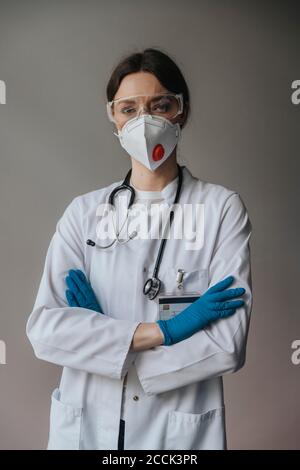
136	398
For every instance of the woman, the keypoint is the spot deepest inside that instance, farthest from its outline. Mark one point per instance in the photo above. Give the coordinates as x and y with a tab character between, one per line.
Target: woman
132	377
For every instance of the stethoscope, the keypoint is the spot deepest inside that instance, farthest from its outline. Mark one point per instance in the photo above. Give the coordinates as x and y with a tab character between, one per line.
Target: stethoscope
153	285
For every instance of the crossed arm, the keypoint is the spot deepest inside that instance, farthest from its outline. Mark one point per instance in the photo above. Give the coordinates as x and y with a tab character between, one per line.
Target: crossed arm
212	305
69	336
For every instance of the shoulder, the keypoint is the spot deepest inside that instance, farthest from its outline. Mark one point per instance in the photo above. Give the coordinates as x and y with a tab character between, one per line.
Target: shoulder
213	193
86	201
217	197
225	210
96	196
84	205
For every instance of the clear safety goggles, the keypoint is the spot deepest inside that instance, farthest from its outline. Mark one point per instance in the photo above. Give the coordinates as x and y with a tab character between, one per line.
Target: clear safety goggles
167	105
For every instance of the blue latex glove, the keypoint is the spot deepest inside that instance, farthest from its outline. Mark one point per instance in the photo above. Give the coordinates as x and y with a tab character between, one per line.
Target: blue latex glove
80	292
210	306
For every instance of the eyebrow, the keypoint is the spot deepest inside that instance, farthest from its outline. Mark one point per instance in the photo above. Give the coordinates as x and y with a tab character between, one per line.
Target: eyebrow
125	100
129	101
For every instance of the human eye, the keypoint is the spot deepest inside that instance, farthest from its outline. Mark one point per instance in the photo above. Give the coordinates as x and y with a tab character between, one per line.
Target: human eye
127	110
162	106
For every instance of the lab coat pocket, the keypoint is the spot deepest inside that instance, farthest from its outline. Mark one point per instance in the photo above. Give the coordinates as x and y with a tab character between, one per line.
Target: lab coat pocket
190	431
193	280
65	424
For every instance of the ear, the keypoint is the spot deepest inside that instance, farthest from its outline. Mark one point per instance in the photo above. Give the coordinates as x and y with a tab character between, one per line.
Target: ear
182	117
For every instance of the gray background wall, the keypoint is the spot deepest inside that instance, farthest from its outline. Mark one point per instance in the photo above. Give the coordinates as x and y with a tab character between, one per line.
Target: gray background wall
239	58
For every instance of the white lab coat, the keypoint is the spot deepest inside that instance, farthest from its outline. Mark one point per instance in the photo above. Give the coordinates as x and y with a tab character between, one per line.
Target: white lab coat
174	394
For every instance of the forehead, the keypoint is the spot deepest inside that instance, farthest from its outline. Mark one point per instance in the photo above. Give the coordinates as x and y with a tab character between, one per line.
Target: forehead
139	83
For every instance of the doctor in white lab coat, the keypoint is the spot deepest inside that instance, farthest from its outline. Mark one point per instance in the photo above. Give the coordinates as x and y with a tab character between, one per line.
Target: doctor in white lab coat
115	365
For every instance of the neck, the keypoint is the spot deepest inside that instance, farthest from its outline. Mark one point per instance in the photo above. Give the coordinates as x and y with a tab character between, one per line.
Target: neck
146	180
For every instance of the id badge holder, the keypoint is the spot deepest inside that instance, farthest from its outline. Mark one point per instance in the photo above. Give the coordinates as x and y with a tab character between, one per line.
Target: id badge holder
170	304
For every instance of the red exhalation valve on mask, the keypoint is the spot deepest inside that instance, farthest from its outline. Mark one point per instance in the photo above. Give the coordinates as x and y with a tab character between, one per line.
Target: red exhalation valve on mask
158	152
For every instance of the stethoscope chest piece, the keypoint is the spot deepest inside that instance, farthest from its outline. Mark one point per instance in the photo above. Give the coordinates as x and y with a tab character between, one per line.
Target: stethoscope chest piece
152	287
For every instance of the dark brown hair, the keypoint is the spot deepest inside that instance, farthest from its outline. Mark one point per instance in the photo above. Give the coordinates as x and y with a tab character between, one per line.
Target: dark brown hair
159	64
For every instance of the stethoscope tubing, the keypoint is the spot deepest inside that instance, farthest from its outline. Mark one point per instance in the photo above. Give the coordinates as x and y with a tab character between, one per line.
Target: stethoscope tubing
153	284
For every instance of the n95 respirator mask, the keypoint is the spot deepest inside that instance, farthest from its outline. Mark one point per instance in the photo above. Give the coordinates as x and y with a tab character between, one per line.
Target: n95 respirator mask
149	139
